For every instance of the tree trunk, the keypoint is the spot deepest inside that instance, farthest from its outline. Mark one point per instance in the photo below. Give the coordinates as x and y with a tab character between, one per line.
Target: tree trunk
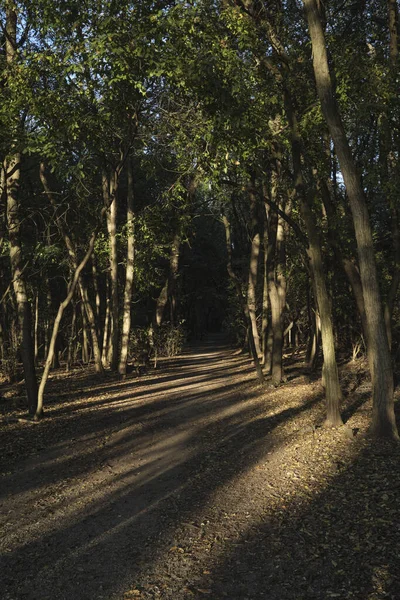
130	259
330	371
36	329
110	193
168	289
384	422
91	322
241	299
90	317
106	331
265	301
71	341
253	269
12	181
70	294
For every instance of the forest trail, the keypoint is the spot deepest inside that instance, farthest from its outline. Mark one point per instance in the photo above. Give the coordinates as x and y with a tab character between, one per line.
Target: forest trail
195	482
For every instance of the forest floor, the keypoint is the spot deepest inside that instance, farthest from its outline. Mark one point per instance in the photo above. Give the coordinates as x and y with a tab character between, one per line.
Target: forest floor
194	481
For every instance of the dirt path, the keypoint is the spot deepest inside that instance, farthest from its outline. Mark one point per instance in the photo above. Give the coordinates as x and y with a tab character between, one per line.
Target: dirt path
196	483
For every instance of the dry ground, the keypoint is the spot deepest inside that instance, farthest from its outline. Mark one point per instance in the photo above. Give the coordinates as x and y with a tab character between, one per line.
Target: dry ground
196	482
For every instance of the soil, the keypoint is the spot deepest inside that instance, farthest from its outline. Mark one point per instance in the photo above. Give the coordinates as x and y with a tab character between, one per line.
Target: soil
194	481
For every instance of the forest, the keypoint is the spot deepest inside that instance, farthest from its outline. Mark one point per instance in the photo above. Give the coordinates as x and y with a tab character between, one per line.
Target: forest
199	217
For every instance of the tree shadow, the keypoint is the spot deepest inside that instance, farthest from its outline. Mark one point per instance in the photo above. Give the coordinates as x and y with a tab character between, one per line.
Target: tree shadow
343	543
105	516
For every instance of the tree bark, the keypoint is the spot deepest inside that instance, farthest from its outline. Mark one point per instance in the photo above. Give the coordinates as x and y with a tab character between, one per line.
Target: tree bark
110	194
130	260
73	255
241	299
12	182
253	268
330	371
384	422
170	283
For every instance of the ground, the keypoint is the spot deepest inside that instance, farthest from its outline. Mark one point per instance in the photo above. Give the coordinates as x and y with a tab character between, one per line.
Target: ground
194	481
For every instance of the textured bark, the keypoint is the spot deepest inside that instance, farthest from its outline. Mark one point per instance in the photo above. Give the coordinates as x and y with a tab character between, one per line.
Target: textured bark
330	371
12	180
350	268
275	276
130	259
384	423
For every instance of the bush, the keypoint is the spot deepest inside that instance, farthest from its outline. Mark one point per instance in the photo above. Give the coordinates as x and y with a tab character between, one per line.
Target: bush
168	339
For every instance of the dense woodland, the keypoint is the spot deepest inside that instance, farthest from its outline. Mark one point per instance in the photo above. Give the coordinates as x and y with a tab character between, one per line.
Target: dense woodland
175	168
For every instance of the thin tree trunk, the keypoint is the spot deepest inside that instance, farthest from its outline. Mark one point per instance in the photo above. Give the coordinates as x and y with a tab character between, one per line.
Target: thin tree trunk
241	299
170	284
85	337
36	328
110	193
71	341
106	331
130	259
253	269
70	294
96	292
265	300
384	422
91	319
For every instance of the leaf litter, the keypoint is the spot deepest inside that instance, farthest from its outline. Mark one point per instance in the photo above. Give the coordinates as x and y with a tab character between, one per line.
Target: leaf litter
194	481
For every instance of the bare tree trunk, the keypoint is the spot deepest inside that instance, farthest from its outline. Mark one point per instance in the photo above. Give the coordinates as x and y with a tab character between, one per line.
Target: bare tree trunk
110	193
96	292
12	182
253	268
85	337
130	260
265	301
36	328
91	320
72	340
70	294
330	371
384	422
106	331
241	299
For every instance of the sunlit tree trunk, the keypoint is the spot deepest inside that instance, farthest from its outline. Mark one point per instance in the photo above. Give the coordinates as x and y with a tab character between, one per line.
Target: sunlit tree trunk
106	330
110	194
330	371
241	299
129	274
253	268
384	423
89	318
